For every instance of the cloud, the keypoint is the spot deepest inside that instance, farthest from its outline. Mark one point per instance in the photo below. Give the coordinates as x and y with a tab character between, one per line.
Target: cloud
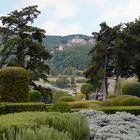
60	8
53	27
123	12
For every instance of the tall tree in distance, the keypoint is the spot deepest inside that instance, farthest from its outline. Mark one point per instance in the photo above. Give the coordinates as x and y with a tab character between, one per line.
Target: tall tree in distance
22	43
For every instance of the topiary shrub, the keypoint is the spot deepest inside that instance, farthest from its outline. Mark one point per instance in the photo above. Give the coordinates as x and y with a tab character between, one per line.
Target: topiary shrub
131	89
116	101
130	101
66	99
107	102
35	96
111	96
14	85
86	89
61	107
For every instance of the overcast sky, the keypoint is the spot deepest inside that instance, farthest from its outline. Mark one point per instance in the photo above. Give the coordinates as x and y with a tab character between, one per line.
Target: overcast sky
64	17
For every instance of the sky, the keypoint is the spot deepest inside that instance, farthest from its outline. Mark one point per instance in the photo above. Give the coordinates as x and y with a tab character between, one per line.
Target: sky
65	17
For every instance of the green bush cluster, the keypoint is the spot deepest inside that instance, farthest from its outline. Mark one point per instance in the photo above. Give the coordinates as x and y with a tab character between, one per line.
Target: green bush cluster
41	133
113	109
35	96
84	104
74	126
57	94
111	96
66	99
6	108
61	107
131	89
14	85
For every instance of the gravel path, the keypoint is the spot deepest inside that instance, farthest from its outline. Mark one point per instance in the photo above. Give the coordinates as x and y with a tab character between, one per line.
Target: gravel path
119	126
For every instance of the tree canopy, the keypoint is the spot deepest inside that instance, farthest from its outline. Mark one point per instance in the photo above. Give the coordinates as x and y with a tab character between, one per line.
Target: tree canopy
22	43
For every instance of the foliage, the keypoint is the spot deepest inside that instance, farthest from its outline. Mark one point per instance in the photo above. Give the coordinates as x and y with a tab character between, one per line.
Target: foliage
79	96
131	89
118	126
66	99
62	82
35	96
86	89
6	108
14	84
57	94
22	43
75	126
81	80
84	104
62	107
111	96
42	133
130	101
116	101
107	102
70	60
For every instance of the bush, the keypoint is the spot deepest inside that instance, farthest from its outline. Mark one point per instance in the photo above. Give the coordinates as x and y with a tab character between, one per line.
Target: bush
42	133
116	101
14	84
58	94
35	96
81	80
79	96
130	101
84	104
107	102
66	99
86	89
131	89
113	109
111	96
61	107
6	108
75	126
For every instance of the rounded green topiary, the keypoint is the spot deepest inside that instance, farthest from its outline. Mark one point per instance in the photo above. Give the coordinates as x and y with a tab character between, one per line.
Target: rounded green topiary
130	101
61	107
116	101
111	96
66	99
35	96
14	84
131	89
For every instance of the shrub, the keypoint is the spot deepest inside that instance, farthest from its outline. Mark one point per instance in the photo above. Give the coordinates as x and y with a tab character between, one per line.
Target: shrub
84	104
81	80
6	108
116	101
130	101
111	96
61	107
113	109
131	89
75	126
107	102
42	133
79	96
35	96
14	84
57	94
66	99
86	89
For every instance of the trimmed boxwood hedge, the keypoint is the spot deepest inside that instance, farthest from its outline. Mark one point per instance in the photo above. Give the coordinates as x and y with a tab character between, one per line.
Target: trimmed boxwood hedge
14	84
6	108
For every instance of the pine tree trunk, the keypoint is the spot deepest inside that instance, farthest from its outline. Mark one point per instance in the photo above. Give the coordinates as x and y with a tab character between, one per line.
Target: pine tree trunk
20	56
87	96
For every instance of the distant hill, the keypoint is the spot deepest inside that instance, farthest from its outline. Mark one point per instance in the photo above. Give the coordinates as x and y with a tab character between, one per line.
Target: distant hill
52	42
